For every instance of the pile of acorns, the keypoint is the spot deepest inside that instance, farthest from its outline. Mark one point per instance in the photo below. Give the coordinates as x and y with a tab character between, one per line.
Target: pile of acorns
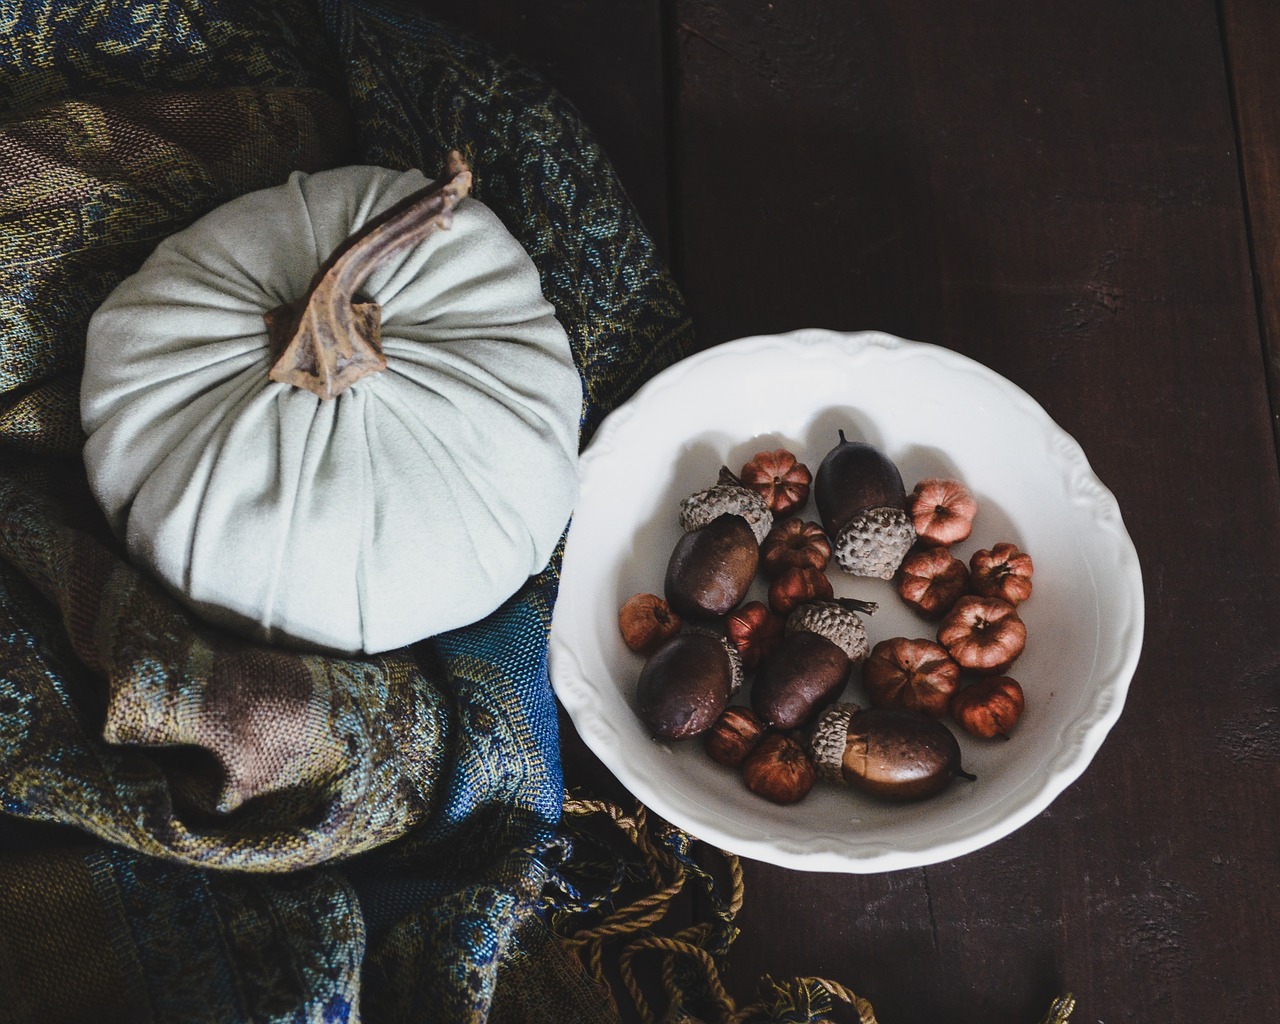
700	639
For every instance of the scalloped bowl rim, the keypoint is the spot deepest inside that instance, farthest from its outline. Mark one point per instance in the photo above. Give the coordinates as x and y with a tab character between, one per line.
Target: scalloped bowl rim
578	633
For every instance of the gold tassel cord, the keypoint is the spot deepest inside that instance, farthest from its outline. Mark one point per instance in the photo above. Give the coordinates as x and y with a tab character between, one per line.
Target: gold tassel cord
866	1015
668	877
672	948
639	915
1061	1010
762	1008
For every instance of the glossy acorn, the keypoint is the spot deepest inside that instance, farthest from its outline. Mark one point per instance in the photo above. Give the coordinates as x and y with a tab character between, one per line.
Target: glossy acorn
893	755
686	684
824	641
861	500
714	562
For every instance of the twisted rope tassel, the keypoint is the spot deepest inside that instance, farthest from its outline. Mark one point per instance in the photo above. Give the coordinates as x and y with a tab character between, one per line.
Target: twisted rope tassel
1060	1010
808	997
668	876
638	915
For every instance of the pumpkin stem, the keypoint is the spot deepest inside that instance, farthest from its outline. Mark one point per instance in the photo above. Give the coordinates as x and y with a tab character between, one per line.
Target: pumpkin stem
328	339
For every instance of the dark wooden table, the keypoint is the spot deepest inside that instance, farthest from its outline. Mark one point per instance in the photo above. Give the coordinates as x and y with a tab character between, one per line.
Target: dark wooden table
1086	198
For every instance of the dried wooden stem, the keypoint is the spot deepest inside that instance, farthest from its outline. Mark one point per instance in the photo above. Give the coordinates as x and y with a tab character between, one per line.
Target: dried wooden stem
330	338
856	604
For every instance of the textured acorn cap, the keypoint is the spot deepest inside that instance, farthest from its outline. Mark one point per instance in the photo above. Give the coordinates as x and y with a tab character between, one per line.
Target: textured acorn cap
828	739
735	659
728	497
838	624
874	542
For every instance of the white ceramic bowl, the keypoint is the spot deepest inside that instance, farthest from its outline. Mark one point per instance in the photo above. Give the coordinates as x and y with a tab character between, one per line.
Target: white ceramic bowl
935	413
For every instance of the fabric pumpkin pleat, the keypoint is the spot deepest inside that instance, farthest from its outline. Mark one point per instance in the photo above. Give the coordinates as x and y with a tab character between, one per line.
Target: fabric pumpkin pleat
414	504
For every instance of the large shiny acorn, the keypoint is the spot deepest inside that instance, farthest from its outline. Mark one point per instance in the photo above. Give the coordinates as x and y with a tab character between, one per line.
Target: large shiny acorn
824	641
861	501
714	562
687	683
894	755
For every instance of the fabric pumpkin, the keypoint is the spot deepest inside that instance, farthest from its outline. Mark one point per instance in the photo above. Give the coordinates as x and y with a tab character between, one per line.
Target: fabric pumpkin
414	502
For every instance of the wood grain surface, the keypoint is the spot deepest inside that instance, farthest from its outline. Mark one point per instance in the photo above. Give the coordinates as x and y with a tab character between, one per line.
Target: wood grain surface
1251	38
1086	198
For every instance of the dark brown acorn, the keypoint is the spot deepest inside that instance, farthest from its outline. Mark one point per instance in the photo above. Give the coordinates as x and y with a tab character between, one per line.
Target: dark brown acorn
711	569
686	684
824	641
714	562
861	501
894	755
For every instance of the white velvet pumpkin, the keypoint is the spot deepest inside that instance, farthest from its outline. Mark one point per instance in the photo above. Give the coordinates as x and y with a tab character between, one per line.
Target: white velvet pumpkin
415	502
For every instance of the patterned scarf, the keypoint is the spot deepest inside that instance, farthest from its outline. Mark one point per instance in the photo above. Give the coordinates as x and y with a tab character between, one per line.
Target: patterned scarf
386	819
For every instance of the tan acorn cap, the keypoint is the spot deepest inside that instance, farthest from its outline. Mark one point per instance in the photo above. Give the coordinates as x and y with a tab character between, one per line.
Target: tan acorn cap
727	497
874	542
735	657
829	737
839	624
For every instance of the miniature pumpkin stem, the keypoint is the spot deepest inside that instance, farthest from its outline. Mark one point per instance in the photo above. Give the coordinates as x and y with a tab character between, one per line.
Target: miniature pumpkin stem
727	476
328	339
855	604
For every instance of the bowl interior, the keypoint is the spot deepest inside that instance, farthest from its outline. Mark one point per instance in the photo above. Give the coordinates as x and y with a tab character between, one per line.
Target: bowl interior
936	414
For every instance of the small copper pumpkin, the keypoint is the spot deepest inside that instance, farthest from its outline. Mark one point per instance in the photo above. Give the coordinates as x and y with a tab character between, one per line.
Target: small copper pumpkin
984	634
777	477
931	580
646	622
794	544
733	735
1001	571
798	586
755	631
989	707
942	511
913	675
779	770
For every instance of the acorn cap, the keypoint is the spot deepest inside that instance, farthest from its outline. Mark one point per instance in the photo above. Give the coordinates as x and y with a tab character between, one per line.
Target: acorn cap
837	623
828	739
874	542
727	497
735	658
